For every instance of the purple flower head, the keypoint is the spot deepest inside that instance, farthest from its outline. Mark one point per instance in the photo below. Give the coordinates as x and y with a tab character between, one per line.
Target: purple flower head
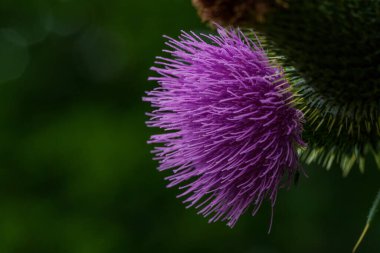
231	132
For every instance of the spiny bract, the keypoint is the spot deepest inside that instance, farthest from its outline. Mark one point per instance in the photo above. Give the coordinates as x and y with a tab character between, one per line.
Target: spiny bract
333	46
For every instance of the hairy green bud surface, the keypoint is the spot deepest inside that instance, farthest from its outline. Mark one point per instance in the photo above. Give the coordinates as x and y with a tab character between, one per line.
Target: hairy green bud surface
334	49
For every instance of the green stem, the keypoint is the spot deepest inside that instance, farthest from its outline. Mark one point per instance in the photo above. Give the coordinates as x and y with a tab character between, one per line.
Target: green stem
370	217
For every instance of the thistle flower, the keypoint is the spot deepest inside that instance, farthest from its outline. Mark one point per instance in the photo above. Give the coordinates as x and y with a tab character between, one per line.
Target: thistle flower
231	131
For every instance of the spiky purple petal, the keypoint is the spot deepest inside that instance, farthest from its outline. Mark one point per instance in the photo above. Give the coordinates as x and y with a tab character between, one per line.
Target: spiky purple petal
230	130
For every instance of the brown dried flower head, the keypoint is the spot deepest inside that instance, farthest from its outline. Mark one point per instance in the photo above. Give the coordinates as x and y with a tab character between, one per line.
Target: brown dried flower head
233	12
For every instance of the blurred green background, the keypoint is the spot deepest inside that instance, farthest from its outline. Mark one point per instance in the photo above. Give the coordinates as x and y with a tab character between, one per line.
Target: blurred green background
76	175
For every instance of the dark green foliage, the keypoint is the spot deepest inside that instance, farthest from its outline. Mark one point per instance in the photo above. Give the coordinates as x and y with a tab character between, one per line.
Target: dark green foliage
334	48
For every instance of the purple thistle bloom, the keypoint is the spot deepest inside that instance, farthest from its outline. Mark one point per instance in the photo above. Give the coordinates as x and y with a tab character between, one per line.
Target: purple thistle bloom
231	133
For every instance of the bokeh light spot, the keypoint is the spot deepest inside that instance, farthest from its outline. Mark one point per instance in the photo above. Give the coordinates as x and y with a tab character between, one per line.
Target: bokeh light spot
14	56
